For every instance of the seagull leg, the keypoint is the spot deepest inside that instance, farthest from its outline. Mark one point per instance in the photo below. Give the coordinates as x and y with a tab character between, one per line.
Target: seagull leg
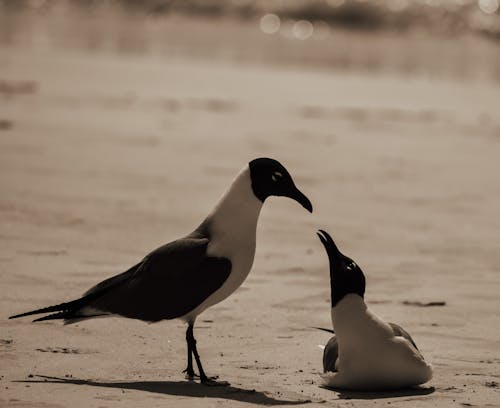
189	370
203	377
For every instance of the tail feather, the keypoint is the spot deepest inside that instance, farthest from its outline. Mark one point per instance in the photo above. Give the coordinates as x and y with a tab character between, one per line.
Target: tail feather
70	310
64	307
53	316
322	328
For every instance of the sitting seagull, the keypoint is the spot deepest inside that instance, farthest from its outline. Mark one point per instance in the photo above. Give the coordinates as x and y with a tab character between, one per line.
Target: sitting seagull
366	353
186	276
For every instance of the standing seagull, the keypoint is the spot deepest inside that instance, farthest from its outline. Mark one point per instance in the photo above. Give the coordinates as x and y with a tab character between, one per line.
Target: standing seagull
366	352
184	277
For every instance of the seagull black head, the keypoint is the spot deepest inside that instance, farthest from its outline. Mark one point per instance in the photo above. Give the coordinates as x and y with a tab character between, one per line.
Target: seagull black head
270	178
345	275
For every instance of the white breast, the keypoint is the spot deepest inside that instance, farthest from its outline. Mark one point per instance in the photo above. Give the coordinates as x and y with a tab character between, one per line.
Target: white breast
233	225
370	356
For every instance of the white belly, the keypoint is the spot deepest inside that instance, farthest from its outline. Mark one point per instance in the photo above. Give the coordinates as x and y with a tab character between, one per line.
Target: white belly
241	263
384	366
370	356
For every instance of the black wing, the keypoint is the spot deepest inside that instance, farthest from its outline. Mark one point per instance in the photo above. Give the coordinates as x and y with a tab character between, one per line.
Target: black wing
330	355
170	282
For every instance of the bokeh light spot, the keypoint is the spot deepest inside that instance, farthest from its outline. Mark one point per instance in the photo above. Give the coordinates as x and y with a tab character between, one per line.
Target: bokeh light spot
303	29
270	23
488	6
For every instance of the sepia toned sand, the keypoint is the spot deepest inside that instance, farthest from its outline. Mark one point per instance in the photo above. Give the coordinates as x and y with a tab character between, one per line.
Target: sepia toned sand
103	158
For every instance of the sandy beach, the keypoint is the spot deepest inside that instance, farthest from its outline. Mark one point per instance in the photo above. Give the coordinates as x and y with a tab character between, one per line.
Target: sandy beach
105	157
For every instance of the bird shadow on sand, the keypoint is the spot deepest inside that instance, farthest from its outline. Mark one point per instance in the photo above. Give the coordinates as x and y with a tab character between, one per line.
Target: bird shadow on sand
373	395
177	388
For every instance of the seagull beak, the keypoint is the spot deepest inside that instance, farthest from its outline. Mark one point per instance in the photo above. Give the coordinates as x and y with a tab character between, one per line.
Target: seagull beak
328	242
298	196
333	252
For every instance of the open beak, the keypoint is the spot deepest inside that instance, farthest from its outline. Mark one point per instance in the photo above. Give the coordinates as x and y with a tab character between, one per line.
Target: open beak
298	196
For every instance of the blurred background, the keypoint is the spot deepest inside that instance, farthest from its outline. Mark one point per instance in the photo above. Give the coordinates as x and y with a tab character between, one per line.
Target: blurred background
383	99
457	38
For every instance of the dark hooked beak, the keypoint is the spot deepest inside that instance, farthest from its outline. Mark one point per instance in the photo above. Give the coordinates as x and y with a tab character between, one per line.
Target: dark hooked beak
298	196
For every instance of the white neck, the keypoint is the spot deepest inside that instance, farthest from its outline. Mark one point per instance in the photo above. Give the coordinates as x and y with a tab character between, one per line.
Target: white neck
354	322
348	314
233	221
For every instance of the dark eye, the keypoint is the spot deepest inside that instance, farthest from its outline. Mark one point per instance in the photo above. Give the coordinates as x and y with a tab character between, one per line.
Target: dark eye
351	265
277	176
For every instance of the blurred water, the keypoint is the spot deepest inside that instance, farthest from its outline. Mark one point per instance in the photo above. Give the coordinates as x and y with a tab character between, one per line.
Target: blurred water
425	38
